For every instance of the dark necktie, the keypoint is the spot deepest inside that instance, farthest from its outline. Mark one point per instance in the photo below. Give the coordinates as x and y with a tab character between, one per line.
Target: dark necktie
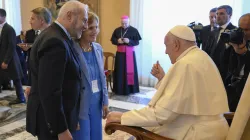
219	33
214	28
220	28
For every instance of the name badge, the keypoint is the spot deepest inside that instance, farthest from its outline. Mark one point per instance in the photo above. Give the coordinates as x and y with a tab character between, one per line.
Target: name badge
95	86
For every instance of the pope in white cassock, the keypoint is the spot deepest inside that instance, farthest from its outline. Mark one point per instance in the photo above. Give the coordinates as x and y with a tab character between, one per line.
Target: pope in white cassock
190	98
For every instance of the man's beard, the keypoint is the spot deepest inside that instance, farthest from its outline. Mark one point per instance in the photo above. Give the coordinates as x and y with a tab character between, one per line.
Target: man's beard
74	29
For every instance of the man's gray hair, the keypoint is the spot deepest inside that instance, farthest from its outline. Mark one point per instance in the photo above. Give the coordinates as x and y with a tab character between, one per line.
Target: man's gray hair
73	6
43	13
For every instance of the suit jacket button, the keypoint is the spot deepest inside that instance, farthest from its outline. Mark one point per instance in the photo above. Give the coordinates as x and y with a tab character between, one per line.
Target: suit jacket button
51	131
48	125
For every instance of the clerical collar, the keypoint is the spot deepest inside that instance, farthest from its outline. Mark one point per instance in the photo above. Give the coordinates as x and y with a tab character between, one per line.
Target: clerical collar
185	52
126	28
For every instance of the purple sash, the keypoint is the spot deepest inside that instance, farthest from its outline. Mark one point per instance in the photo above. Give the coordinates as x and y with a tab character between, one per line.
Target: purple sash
129	61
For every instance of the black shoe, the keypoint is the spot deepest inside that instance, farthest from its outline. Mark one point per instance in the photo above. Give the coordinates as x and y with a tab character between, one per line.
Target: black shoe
17	101
8	88
4	88
11	88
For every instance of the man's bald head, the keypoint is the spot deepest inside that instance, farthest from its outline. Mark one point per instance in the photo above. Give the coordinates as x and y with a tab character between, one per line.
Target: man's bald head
244	23
72	6
177	40
73	16
245	16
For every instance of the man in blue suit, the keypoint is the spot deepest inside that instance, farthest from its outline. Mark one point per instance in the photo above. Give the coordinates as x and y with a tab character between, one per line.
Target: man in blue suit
22	57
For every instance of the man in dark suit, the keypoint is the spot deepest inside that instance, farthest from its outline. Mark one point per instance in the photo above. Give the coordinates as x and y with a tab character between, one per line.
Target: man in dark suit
53	103
39	20
206	30
10	64
216	46
239	65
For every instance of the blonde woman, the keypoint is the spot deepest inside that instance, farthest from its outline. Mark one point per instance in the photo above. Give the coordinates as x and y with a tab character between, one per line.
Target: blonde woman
94	98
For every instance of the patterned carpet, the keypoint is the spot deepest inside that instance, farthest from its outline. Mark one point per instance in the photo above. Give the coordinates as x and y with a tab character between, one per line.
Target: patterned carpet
12	118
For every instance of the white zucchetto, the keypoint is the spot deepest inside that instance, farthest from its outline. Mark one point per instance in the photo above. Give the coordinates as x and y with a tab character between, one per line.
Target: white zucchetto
183	32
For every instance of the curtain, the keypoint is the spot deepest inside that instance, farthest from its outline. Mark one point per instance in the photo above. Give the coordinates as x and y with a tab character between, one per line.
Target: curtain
139	12
154	18
13	11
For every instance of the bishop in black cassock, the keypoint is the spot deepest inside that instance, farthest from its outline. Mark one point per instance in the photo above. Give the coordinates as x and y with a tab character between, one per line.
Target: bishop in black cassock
125	77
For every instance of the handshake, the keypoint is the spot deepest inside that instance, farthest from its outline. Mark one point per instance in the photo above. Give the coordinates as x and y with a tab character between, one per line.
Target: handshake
123	40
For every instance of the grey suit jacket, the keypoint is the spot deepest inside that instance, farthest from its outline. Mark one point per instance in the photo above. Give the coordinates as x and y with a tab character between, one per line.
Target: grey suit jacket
86	94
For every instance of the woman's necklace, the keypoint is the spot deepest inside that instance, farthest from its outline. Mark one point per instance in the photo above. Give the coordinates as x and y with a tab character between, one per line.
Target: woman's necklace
88	49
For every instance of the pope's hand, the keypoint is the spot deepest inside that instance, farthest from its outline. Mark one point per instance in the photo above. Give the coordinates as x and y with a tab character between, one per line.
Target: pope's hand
114	117
157	71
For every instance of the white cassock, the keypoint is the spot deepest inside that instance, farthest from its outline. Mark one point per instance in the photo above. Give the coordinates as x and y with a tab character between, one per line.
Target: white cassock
189	102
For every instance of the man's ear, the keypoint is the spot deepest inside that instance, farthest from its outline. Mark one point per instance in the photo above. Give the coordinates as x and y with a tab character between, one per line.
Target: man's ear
69	15
42	21
177	45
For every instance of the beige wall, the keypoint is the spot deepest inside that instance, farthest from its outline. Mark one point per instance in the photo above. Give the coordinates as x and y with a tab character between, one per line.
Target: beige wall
110	13
26	7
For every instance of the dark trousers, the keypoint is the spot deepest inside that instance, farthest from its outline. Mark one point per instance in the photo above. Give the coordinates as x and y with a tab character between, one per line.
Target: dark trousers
4	80
19	89
18	86
25	70
5	83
